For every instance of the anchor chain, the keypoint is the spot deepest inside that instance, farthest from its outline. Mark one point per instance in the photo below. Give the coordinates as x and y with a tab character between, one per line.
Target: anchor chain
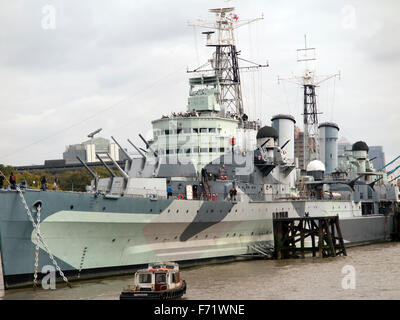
37	247
38	235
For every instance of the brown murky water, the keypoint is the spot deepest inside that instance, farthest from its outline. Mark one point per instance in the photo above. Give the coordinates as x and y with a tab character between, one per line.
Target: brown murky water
377	276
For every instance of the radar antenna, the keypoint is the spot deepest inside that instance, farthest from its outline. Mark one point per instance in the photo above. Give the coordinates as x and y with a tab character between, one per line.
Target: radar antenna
224	62
91	135
309	82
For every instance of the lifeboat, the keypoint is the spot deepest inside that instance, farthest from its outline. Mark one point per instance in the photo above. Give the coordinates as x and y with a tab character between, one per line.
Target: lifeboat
158	281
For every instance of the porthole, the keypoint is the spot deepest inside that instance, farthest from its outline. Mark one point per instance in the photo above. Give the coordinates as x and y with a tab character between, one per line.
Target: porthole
104	208
71	207
36	205
113	240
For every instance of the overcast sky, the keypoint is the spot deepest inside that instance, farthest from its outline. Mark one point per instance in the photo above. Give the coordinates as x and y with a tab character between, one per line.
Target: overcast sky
70	67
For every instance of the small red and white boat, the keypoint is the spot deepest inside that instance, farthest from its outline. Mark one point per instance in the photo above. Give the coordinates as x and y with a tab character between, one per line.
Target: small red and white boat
159	281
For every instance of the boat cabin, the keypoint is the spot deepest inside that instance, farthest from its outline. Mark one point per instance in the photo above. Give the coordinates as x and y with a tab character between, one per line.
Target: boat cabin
158	277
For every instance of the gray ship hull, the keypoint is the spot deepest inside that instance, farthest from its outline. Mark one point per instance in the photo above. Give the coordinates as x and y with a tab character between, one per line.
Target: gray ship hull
91	235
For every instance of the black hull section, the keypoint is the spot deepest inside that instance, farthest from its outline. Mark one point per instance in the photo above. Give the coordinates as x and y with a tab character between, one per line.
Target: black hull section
154	295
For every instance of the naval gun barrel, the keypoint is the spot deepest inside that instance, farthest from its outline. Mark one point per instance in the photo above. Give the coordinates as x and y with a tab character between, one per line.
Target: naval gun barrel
124	174
264	143
353	182
373	182
284	145
123	150
105	165
148	145
96	179
137	149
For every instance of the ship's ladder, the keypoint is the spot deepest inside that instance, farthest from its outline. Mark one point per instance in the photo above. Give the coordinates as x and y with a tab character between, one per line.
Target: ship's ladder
39	237
207	188
261	249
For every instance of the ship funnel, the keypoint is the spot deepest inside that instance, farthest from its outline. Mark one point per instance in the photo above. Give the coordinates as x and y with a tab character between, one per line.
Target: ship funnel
328	135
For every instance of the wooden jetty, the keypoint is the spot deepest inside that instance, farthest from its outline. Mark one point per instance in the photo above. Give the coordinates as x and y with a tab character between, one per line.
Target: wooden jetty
290	235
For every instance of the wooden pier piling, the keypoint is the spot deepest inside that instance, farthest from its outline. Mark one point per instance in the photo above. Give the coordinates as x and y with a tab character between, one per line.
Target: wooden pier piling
290	235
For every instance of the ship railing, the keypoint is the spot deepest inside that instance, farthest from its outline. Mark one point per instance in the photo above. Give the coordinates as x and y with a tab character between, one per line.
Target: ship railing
250	125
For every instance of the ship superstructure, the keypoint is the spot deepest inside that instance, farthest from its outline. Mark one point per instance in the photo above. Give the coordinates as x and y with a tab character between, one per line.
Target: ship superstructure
214	122
207	187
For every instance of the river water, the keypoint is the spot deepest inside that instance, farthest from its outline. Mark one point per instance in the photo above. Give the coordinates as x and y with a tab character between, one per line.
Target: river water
367	272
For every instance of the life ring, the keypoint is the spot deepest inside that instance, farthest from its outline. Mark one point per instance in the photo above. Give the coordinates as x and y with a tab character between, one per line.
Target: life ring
180	196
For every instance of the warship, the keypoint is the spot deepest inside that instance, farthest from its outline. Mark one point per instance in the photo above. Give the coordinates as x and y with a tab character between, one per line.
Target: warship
207	187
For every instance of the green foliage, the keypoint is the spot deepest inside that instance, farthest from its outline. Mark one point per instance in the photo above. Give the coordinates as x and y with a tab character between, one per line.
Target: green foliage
71	180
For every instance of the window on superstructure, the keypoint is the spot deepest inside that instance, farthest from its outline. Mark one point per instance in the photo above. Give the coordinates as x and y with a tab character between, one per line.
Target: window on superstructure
195	130
145	278
187	151
187	130
204	150
196	150
203	130
212	150
212	130
168	132
221	149
161	278
179	131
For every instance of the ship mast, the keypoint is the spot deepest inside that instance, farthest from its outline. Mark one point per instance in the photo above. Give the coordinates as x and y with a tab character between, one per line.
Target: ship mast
224	62
310	114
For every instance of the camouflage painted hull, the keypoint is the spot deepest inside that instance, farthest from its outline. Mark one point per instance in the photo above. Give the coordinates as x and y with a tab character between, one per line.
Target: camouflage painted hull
89	234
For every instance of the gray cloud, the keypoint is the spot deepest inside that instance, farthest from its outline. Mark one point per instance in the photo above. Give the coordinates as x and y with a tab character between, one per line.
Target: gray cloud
120	64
